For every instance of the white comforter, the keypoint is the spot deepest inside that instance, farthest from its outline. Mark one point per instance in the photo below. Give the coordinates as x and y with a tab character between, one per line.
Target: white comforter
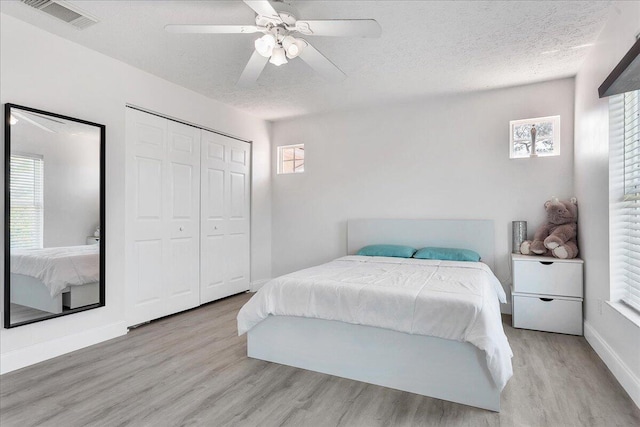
446	299
59	267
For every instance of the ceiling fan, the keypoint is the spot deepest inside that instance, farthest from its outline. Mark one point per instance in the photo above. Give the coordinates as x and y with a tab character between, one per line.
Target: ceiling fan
279	23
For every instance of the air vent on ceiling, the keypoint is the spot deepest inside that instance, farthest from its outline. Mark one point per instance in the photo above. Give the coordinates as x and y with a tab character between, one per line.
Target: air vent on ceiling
63	11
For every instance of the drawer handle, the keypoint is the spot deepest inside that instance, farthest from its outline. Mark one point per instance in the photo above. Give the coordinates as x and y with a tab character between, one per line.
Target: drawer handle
546	299
546	262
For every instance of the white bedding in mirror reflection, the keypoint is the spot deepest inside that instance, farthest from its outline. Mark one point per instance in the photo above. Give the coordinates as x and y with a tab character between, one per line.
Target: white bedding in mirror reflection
58	268
53	280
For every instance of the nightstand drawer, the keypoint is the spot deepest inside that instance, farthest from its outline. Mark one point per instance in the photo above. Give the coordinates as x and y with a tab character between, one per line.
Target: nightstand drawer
547	314
548	277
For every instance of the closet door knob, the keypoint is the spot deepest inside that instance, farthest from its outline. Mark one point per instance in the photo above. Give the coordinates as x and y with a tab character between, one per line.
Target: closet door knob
181	228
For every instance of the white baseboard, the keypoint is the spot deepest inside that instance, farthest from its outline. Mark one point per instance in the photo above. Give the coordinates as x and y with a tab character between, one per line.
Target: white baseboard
257	285
623	374
40	352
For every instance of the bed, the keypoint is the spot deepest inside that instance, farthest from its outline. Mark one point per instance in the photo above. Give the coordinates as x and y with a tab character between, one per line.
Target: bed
51	279
424	326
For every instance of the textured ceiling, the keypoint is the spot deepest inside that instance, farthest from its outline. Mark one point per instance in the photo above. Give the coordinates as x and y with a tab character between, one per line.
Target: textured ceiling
427	48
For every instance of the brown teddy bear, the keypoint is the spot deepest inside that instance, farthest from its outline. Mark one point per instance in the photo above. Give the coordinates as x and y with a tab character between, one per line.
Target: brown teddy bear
557	236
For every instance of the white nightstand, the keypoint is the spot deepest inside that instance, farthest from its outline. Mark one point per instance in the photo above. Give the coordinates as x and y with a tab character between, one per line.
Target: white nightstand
547	294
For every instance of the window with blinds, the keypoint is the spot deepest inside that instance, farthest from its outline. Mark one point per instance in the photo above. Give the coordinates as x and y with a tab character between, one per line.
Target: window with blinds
625	126
26	174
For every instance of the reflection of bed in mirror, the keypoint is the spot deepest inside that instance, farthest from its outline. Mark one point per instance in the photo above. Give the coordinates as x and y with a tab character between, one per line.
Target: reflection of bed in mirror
55	279
54	203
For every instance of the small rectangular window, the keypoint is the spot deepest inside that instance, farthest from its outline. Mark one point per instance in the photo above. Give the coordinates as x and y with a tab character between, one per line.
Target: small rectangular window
291	159
26	182
537	137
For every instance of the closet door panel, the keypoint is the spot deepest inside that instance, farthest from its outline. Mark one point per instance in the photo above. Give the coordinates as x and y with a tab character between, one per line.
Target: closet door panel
148	189
214	207
239	153
215	192
145	279
239	214
225	217
237	244
182	275
181	198
213	231
147	134
182	217
214	148
238	196
213	269
146	286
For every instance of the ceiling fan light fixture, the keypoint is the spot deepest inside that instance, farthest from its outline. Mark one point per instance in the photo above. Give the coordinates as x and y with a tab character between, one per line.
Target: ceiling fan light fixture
292	46
278	57
265	45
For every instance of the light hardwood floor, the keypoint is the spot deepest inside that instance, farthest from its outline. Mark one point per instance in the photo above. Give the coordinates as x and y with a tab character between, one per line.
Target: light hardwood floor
192	369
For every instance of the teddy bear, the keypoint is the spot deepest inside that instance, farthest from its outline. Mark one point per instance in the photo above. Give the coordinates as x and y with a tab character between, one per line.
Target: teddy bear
557	236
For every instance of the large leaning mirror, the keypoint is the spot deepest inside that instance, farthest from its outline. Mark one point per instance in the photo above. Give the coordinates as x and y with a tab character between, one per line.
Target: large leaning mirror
54	215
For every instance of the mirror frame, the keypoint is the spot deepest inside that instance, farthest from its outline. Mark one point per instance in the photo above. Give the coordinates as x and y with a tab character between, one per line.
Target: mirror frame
7	260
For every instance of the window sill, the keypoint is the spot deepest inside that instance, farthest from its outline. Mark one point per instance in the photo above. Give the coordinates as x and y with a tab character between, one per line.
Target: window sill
626	311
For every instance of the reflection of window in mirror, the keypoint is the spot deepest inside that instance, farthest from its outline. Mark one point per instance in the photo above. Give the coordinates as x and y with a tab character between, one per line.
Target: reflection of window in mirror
27	213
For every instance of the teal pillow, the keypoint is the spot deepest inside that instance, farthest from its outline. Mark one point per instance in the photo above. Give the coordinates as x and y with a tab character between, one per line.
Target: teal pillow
448	254
387	250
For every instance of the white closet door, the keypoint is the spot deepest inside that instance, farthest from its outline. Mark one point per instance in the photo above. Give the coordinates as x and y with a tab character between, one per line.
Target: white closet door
146	147
182	213
239	247
162	240
225	217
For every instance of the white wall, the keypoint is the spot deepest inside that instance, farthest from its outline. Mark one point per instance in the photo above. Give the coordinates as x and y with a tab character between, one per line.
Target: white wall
71	180
613	336
43	71
437	158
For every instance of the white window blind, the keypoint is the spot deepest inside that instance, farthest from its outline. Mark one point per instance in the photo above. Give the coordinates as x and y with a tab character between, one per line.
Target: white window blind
26	201
625	125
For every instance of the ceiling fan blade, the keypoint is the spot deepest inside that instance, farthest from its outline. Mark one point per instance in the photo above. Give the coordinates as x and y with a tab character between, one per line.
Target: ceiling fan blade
212	29
263	8
33	122
321	64
253	69
340	28
46	118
